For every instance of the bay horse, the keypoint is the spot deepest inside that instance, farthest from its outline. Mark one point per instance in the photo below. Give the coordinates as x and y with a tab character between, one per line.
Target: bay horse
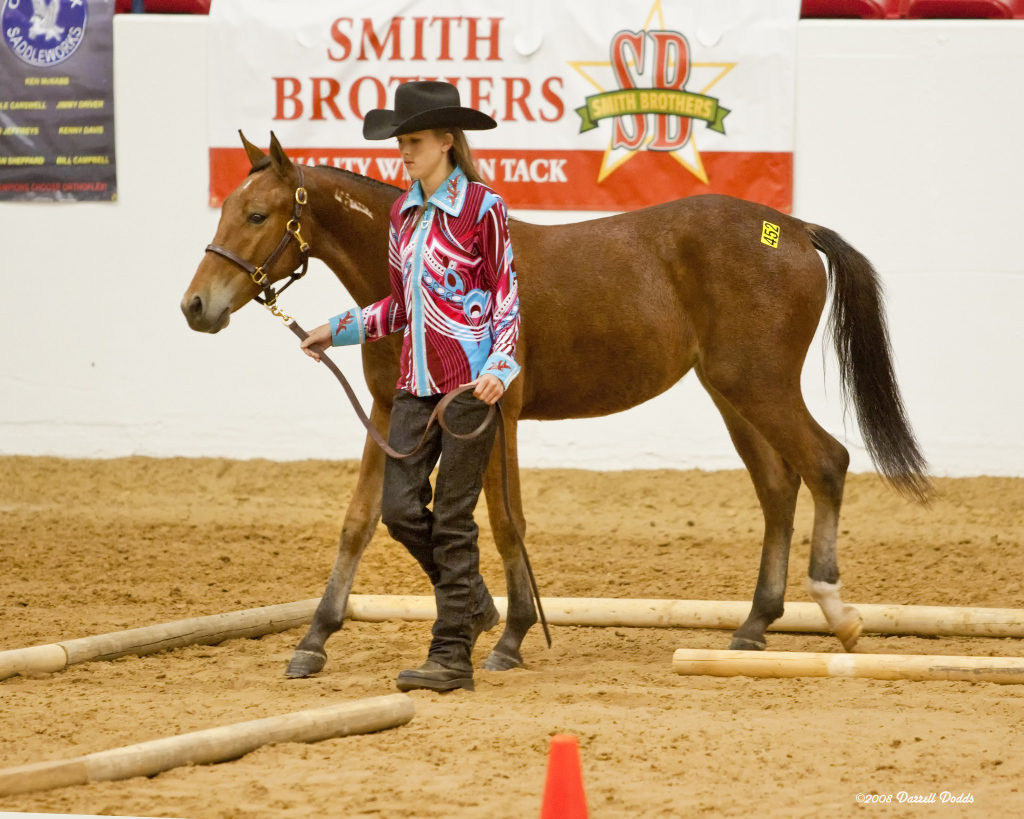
614	312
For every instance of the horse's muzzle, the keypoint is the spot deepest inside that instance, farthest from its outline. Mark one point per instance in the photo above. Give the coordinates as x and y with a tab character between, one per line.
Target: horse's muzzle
200	318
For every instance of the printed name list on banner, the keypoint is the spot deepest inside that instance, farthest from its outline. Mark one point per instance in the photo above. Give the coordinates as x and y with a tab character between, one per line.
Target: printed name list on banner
601	105
57	100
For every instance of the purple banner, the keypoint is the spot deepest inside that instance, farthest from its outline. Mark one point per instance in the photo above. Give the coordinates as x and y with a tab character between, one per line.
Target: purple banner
57	100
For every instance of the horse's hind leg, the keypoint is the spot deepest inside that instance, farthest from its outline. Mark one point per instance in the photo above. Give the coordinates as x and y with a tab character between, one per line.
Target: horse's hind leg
360	522
772	404
777	485
521	614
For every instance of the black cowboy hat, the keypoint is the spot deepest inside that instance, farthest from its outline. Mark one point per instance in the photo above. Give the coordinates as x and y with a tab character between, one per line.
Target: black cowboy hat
423	105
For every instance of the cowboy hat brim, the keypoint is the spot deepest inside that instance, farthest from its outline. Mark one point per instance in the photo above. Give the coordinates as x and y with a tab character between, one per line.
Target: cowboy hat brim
380	122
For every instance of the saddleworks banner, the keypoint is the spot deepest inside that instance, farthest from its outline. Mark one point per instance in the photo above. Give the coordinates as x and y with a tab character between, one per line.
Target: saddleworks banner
601	105
57	100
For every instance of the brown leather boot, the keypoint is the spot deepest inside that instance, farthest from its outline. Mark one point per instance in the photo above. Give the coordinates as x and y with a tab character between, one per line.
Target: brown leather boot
436	677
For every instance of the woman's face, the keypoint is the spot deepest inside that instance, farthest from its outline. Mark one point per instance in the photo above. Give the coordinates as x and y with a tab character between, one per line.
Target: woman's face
424	152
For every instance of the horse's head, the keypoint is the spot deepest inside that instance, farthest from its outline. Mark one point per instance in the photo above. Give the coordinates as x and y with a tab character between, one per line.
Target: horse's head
254	221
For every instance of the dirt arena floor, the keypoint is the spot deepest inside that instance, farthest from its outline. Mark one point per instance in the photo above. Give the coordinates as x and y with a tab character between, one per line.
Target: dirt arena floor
93	546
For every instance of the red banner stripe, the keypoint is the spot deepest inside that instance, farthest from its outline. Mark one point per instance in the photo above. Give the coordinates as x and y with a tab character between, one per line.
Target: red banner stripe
648	178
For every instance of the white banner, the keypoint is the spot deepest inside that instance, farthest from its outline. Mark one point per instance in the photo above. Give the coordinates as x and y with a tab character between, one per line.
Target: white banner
600	104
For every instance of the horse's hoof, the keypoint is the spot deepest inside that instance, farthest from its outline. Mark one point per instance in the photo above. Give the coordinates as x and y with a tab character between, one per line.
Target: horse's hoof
501	662
745	644
305	663
850	630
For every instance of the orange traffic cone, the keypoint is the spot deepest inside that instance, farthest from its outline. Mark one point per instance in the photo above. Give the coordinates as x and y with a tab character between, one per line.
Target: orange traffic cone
563	791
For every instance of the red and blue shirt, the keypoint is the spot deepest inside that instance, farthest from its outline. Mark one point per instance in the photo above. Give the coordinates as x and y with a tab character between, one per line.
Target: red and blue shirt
453	289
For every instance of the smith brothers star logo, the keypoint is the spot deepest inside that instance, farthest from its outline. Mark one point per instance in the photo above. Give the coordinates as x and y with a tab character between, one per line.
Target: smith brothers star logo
651	69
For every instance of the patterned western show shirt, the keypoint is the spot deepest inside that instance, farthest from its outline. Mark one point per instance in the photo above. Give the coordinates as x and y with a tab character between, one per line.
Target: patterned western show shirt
453	289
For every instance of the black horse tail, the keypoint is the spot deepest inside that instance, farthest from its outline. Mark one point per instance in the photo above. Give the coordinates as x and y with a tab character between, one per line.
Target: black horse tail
858	329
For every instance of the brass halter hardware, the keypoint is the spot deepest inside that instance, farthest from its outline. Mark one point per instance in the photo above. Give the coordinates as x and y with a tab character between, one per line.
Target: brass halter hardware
258	274
294	231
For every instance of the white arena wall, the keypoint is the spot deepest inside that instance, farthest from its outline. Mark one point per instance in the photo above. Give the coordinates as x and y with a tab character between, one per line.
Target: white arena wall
909	142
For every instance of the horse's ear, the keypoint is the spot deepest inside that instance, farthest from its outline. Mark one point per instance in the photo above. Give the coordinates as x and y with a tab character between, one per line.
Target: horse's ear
277	154
255	154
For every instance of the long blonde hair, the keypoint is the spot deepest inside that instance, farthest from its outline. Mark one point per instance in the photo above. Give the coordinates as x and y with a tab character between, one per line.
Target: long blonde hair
460	153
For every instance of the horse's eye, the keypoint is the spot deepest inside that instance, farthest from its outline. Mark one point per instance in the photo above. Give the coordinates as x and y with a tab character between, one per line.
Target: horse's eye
257	218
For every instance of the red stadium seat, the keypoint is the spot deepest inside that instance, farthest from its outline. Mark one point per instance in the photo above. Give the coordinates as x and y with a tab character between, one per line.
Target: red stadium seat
166	6
915	9
178	6
864	9
960	9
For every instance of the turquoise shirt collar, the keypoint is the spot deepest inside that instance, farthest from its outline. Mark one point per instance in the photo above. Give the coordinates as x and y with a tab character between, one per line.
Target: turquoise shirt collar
449	197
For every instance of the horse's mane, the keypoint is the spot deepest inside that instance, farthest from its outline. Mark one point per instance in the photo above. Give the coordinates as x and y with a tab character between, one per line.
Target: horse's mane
367	180
373	183
376	183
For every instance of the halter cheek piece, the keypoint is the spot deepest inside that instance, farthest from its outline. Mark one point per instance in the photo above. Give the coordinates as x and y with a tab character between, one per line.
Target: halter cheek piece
258	274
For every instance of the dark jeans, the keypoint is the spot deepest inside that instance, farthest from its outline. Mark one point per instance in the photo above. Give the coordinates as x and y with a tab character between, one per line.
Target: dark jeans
442	540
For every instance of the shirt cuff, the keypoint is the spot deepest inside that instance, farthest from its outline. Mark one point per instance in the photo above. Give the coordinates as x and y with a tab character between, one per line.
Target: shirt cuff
501	366
347	328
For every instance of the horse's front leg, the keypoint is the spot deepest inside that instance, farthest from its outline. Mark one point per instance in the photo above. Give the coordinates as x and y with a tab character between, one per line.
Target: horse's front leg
522	613
360	522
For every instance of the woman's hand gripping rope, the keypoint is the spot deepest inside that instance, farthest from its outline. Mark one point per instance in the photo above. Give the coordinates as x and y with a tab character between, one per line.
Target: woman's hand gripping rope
318	339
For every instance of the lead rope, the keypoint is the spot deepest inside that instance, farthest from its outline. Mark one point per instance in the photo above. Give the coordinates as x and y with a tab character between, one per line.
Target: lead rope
437	416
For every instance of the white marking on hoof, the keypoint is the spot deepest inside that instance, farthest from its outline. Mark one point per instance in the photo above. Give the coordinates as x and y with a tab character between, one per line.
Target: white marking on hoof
844	620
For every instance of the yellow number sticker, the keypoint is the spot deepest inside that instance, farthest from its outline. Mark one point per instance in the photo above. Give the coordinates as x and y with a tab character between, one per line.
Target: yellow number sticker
770	234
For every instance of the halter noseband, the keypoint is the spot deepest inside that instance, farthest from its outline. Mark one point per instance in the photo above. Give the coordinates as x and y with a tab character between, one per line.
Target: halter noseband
258	274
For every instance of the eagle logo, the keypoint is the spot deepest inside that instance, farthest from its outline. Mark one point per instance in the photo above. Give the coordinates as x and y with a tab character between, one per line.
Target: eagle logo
43	32
44	20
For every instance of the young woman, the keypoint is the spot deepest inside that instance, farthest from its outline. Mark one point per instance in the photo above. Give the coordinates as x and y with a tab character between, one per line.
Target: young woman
455	298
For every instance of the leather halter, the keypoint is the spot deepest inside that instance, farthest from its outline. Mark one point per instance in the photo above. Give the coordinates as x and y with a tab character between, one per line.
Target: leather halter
259	273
